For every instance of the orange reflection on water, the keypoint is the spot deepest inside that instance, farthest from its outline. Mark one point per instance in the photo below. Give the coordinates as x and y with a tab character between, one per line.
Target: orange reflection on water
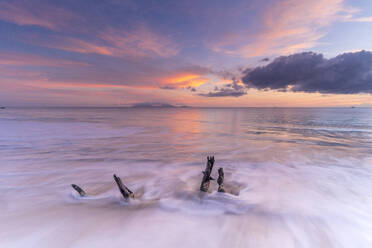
186	121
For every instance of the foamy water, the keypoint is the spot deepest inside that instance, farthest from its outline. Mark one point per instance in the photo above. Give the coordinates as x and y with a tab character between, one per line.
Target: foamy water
295	177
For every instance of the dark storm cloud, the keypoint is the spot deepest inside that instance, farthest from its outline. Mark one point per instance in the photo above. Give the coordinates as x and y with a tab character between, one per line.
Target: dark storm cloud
348	73
264	60
233	89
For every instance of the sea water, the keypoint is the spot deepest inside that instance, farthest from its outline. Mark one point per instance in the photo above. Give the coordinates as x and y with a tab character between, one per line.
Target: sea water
295	177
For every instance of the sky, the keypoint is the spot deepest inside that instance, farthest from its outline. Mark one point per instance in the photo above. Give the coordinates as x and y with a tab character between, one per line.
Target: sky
236	53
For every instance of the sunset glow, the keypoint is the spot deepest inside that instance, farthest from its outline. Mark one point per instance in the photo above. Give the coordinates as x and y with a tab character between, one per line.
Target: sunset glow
186	123
187	53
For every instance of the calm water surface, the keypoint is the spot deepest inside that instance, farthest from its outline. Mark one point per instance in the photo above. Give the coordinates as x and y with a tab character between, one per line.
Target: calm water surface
295	177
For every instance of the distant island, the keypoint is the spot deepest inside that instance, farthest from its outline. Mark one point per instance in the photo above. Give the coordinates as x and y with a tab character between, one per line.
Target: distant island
2	107
156	105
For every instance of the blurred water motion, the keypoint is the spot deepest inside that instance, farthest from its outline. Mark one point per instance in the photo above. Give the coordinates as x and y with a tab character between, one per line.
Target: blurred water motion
295	177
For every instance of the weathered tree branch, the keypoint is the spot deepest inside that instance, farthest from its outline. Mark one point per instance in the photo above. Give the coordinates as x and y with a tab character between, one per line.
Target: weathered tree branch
123	189
78	189
220	180
204	186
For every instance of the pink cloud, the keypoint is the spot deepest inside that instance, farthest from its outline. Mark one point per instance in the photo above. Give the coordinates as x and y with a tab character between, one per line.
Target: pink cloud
35	13
139	42
16	59
15	69
288	26
73	45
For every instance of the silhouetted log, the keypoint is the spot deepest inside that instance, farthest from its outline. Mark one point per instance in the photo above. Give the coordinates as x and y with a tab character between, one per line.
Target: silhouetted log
220	179
78	189
123	189
204	186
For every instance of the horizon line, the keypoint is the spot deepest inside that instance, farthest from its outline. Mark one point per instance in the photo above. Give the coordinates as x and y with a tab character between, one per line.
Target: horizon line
183	106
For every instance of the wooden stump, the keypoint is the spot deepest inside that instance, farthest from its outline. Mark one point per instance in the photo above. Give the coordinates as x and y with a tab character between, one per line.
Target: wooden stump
220	179
123	189
204	186
78	189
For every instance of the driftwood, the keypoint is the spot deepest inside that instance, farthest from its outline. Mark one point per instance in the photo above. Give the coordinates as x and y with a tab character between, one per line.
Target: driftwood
204	186
78	189
123	189
220	179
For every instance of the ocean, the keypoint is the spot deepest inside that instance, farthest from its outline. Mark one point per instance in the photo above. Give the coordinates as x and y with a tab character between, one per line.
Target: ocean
295	177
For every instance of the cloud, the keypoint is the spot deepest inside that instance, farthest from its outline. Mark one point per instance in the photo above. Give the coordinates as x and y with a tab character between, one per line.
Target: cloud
265	60
225	74
37	13
190	77
288	26
191	88
22	59
348	73
81	34
361	19
138	42
26	68
167	87
233	89
224	92
74	45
